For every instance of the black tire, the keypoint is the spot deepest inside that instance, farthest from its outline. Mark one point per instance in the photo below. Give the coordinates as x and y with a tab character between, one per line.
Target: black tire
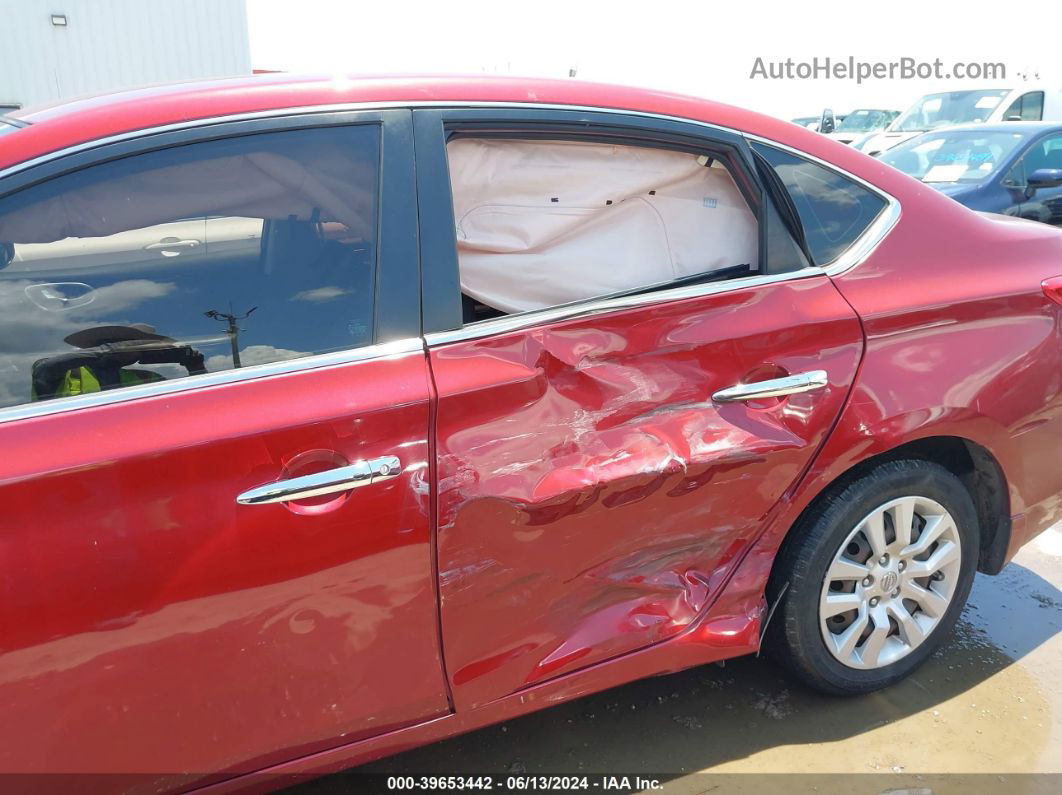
794	638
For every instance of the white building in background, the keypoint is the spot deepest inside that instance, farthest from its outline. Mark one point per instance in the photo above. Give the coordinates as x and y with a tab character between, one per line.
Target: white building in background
54	49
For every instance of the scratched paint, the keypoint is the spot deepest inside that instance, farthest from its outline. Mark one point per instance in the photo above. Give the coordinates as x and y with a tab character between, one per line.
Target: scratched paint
986	707
593	499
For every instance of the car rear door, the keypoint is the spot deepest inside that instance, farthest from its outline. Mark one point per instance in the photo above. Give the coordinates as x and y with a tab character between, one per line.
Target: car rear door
600	475
224	563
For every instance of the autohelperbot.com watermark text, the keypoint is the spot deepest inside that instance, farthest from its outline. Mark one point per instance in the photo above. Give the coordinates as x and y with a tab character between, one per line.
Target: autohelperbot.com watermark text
851	68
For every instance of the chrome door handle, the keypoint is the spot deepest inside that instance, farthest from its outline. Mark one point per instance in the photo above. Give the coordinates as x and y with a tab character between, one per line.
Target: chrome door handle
776	387
360	473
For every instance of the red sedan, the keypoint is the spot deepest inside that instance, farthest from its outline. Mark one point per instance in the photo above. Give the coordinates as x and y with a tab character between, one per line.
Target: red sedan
340	416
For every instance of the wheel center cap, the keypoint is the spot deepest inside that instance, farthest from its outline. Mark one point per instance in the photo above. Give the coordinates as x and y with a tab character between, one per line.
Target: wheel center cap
889	580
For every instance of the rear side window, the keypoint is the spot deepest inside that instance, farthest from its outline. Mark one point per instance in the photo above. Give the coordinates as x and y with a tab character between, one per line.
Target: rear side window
542	223
834	211
197	258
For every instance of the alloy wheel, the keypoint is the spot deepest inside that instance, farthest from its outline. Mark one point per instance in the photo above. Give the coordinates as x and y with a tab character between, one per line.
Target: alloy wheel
890	582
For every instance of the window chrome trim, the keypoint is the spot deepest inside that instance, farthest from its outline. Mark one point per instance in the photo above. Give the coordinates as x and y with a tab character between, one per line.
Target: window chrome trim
853	255
865	244
251	373
501	325
308	110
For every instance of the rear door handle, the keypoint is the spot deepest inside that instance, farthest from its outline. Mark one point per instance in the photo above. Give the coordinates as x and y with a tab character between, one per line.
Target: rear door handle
358	474
776	387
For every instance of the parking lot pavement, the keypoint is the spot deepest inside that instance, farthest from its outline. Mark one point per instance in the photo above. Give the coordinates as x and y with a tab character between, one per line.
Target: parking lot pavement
987	706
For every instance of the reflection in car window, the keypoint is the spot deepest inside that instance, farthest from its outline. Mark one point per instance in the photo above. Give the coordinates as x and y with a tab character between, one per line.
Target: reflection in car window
953	156
197	258
834	211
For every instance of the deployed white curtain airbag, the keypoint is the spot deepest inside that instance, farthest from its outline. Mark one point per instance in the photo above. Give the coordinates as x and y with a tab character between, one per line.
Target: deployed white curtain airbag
541	223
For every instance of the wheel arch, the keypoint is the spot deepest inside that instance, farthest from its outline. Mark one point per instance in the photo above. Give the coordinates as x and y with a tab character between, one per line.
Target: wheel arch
974	465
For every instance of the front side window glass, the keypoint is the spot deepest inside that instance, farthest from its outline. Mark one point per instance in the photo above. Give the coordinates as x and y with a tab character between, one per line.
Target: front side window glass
197	258
1046	153
1027	107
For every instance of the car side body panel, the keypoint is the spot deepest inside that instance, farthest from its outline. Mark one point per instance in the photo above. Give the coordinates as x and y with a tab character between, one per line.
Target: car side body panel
138	593
979	353
592	497
960	342
151	625
731	628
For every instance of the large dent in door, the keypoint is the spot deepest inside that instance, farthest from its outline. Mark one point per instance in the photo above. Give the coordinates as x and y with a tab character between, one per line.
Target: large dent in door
574	519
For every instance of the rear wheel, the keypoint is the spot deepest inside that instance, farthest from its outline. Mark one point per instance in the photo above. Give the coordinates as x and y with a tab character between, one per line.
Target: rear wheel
876	576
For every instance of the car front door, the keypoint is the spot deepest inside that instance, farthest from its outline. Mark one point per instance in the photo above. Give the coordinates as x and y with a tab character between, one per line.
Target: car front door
1040	204
215	548
600	475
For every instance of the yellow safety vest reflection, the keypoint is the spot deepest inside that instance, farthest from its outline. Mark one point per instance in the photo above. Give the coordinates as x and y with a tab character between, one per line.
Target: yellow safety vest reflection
82	380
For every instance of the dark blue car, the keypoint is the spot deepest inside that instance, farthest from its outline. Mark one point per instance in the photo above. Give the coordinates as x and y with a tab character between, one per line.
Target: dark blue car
1011	167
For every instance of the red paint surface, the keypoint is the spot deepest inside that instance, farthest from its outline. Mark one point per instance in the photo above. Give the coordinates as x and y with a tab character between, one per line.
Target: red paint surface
961	342
150	623
599	518
70	123
1053	289
592	498
973	349
732	628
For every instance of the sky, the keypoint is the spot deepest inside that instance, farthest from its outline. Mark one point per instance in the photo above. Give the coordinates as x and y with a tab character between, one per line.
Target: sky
703	48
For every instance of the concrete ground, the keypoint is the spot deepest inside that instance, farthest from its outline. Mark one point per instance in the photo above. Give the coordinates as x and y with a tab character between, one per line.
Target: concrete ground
983	715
